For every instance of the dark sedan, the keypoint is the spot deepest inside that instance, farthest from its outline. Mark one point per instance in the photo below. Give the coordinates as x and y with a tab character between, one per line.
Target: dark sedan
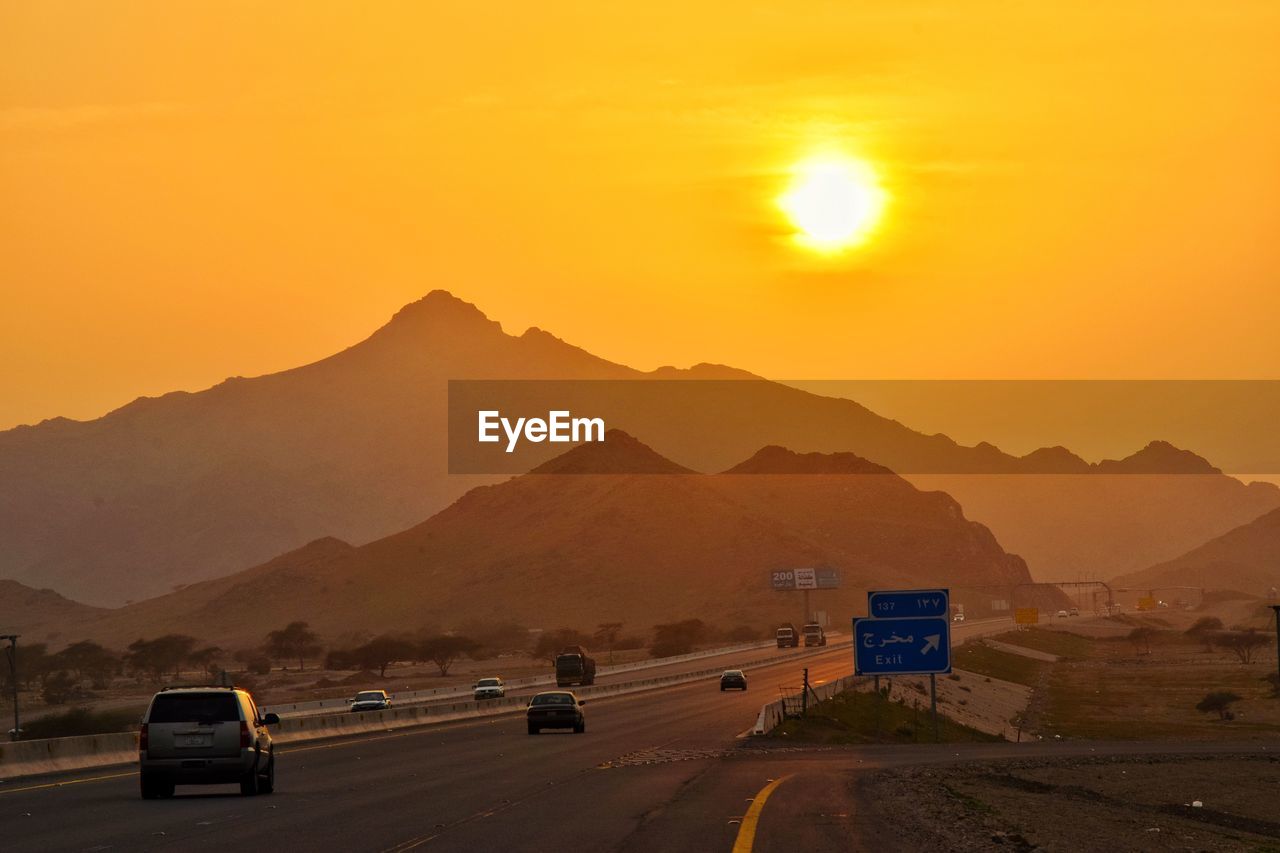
734	678
556	709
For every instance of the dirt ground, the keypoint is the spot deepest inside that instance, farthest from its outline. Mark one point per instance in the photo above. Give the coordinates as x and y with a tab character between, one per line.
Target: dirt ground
1084	804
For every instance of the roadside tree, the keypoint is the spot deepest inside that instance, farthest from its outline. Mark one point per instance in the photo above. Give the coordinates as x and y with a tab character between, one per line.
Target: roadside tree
1243	644
444	650
295	641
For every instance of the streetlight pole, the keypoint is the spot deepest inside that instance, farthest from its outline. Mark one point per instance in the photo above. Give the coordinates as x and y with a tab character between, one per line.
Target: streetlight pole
1276	608
13	675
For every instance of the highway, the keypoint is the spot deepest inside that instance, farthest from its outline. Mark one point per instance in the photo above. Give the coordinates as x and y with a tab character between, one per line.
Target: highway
476	785
661	770
657	669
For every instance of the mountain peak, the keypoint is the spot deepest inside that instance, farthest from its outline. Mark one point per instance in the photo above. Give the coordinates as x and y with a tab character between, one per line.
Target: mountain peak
619	453
1159	457
1053	460
438	309
780	460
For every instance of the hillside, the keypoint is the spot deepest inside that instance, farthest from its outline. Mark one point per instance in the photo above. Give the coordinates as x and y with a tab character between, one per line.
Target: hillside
577	549
1245	559
37	615
188	487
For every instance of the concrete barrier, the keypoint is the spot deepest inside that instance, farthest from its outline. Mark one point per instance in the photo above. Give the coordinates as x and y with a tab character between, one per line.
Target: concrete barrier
32	757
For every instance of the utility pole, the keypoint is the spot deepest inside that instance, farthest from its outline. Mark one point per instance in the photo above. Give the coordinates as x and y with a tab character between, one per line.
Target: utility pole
13	675
1276	608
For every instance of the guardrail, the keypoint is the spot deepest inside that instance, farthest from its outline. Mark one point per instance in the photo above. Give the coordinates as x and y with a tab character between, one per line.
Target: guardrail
435	694
33	757
294	729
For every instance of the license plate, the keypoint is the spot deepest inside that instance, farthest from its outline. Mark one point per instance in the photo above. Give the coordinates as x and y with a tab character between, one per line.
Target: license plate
195	740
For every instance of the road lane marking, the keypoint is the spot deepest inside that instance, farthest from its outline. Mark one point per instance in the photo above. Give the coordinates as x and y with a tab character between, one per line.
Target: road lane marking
67	782
747	831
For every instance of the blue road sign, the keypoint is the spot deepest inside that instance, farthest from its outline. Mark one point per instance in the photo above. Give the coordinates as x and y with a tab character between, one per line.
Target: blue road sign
911	646
899	604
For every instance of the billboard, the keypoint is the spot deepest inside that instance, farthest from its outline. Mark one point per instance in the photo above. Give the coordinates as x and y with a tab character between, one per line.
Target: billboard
784	580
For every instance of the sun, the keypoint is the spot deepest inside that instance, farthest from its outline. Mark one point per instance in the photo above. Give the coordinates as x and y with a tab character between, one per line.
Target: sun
834	203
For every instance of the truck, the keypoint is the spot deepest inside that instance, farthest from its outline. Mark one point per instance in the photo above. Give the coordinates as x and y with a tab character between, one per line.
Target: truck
574	666
814	635
788	636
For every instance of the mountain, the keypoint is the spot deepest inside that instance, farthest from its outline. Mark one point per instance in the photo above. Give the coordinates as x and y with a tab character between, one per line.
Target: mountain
188	487
1109	522
37	615
1245	559
551	549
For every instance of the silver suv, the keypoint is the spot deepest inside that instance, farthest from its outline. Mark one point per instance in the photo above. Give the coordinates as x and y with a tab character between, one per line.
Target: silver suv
205	736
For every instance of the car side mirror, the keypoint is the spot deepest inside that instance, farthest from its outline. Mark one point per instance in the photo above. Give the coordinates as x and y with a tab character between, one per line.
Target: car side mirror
582	701
271	719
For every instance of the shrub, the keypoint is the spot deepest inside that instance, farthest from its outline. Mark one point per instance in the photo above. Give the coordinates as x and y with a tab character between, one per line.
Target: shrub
81	721
58	688
260	665
1220	701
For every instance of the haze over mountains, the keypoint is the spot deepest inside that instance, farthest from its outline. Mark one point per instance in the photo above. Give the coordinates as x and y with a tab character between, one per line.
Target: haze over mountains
554	548
188	487
1246	559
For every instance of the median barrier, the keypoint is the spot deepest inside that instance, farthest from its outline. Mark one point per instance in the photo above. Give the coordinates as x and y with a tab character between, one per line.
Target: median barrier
51	755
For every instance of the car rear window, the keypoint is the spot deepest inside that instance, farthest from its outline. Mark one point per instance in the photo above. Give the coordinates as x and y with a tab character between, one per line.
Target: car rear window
553	699
194	708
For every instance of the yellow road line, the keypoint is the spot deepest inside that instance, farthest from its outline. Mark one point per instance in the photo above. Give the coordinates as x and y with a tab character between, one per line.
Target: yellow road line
747	831
68	782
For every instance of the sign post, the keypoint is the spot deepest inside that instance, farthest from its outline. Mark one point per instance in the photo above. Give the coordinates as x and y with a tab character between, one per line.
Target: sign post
907	633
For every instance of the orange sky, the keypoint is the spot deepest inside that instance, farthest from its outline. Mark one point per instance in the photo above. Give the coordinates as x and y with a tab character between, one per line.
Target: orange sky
198	190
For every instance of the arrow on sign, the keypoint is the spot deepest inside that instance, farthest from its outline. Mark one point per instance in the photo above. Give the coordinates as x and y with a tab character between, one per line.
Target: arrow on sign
931	643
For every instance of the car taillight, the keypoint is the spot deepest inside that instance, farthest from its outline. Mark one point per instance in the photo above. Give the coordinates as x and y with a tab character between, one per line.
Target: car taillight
244	735
142	738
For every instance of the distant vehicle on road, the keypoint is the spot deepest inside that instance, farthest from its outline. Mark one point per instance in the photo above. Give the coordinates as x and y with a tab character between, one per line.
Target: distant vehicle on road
1062	614
489	688
788	636
556	709
733	678
1075	611
814	635
574	666
205	736
371	700
959	617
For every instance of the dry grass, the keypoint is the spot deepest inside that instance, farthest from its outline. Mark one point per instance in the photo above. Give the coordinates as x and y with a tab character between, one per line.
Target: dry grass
1108	691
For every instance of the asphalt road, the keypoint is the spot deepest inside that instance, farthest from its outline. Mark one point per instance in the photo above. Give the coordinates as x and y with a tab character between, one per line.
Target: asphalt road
660	770
478	785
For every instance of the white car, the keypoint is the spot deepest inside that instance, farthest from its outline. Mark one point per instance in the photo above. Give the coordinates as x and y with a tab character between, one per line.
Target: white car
1062	614
489	688
371	700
